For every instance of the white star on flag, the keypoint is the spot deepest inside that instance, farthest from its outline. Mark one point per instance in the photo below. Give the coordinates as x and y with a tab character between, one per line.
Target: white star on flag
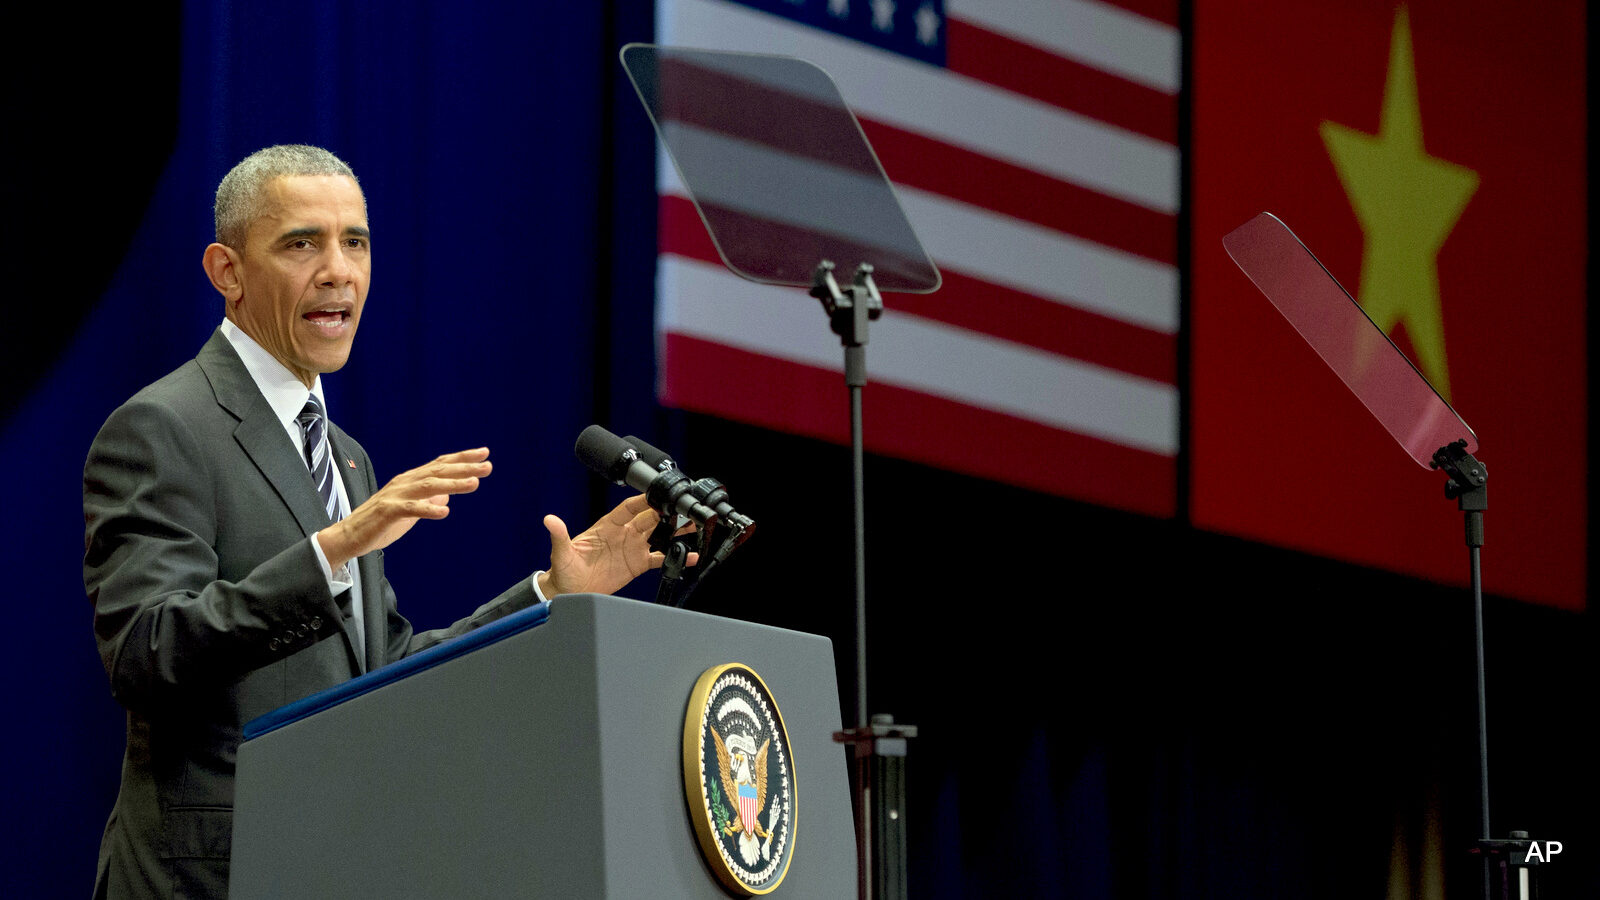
883	15
927	25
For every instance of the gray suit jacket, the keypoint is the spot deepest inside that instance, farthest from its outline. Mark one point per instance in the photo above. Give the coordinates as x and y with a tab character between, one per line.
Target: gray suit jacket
210	607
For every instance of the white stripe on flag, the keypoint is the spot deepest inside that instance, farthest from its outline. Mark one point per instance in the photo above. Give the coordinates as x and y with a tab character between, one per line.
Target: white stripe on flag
894	90
704	300
1095	34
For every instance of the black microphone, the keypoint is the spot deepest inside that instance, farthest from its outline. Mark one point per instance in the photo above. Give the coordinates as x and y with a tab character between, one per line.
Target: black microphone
668	490
650	454
708	491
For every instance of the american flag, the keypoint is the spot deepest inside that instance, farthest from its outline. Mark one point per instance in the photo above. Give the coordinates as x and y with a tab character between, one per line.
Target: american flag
1033	147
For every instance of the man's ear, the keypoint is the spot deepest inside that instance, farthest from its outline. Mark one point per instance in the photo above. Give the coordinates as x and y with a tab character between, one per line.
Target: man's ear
222	267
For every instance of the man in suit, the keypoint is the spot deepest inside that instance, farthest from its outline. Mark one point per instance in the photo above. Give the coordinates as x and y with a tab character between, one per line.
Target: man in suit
230	571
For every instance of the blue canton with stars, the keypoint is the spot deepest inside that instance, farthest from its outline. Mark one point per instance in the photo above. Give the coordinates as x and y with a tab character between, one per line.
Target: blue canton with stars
913	28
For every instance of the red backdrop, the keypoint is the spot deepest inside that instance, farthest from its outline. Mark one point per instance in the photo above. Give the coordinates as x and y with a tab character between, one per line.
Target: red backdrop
1281	452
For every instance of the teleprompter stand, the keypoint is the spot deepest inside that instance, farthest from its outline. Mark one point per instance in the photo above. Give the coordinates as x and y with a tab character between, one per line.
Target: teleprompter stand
1401	399
878	746
787	184
1509	864
1468	486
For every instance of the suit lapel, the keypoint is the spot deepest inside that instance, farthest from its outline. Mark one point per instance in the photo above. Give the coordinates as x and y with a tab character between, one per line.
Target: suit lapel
261	435
262	438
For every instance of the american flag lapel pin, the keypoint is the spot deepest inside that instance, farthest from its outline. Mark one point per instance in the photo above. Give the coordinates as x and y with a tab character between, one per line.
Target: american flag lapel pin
351	463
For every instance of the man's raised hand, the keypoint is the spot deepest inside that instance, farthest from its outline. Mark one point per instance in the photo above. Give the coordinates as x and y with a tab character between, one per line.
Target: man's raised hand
422	493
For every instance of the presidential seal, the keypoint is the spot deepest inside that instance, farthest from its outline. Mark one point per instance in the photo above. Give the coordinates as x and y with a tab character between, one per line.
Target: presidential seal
738	776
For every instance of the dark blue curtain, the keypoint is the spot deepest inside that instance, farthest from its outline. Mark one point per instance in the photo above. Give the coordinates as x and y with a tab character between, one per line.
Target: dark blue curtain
512	264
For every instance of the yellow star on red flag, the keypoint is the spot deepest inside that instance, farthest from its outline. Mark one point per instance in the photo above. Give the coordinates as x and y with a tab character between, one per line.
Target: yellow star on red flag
1407	202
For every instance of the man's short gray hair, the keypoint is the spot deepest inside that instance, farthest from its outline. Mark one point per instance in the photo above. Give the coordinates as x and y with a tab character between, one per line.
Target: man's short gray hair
239	194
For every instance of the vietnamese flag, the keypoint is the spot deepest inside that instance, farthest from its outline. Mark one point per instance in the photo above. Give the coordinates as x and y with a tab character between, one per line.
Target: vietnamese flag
1433	156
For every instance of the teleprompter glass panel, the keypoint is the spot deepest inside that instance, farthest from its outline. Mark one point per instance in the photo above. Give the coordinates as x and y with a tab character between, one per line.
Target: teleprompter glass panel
777	166
1347	340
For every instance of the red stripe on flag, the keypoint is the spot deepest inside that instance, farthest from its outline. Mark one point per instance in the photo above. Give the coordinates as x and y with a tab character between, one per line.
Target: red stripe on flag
680	231
1022	193
748	110
702	376
984	307
1036	72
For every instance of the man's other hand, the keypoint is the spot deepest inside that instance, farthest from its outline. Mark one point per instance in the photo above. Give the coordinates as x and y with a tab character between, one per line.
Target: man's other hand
613	552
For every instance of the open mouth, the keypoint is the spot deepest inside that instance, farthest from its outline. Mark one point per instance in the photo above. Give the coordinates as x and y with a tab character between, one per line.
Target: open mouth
328	318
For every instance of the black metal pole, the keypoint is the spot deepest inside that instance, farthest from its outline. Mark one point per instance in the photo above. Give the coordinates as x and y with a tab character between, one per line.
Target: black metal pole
1489	863
1483	703
855	373
855	369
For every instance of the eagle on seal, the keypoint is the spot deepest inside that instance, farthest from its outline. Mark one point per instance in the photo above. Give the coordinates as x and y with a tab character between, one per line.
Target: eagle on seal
739	771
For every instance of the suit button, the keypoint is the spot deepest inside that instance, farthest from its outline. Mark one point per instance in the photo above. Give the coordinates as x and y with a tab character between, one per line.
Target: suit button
272	644
301	631
288	637
316	622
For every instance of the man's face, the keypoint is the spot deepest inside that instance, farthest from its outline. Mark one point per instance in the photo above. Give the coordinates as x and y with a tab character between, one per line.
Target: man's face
304	271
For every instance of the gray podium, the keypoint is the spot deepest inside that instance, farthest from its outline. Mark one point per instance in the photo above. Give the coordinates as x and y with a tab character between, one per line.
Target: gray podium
537	762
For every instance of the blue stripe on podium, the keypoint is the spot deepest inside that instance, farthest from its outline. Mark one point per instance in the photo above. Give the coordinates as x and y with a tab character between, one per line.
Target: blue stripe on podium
497	630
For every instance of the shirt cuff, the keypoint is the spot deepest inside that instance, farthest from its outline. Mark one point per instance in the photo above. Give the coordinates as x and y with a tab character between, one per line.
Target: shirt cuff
536	592
340	581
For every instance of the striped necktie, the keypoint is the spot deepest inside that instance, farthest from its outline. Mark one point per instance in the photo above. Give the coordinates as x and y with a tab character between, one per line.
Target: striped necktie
314	431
